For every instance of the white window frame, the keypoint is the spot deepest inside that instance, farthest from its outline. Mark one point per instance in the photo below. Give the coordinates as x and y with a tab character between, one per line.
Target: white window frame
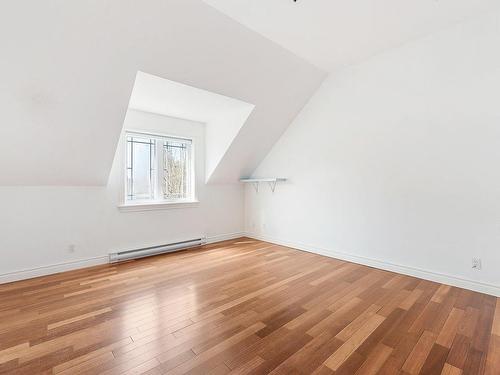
159	202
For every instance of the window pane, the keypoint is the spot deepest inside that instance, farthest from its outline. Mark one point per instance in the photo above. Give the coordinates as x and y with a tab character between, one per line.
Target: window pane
140	168
158	168
176	163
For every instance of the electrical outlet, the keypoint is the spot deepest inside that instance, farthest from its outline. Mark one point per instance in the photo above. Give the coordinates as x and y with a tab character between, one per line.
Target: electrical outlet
71	248
476	263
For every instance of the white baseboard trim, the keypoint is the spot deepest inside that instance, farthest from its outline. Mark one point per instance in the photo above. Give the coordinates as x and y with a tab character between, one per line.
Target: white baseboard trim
224	237
83	263
52	269
476	286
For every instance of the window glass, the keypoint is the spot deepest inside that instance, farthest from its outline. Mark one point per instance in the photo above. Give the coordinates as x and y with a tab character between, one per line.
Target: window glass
175	164
140	168
158	168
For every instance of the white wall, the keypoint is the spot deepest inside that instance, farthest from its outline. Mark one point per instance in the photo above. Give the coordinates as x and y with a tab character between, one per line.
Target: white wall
67	69
395	161
39	223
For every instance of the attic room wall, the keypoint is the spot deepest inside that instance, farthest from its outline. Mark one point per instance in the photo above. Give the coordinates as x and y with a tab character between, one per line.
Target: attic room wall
394	162
38	224
68	68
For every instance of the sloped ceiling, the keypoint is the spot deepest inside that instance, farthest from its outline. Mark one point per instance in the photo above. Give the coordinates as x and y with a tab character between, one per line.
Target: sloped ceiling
223	117
67	69
335	33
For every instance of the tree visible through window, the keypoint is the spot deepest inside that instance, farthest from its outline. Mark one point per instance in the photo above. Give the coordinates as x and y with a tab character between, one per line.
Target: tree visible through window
158	168
176	177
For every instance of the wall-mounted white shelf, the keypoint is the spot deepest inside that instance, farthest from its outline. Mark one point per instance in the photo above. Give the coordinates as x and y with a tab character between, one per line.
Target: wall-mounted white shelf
271	181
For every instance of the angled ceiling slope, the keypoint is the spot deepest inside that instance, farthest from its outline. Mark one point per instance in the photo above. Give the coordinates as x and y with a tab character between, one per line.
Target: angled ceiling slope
68	68
334	33
223	117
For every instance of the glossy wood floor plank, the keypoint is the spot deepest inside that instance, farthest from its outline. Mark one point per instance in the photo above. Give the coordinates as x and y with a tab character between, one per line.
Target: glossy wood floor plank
244	307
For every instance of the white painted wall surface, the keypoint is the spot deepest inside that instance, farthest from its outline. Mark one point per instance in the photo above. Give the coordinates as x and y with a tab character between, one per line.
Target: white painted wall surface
67	69
395	162
39	223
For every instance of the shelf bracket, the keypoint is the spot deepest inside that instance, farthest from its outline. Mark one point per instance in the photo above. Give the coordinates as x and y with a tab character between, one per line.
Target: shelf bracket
271	181
256	186
272	185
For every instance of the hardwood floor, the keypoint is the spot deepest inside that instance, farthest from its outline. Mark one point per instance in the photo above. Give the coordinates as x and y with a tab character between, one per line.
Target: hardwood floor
244	307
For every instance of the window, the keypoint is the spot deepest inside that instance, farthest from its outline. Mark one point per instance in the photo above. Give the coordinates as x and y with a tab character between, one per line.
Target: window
159	169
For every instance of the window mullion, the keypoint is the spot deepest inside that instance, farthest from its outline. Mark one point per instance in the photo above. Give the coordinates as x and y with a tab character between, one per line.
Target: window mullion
159	170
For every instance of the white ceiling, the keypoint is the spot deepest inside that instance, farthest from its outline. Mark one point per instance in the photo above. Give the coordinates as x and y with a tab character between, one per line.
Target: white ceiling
67	69
223	116
335	33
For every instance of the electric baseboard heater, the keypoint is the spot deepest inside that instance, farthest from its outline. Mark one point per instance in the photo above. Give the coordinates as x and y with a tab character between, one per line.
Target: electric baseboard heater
155	250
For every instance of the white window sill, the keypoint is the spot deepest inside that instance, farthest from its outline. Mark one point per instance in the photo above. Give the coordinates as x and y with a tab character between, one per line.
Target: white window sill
152	206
